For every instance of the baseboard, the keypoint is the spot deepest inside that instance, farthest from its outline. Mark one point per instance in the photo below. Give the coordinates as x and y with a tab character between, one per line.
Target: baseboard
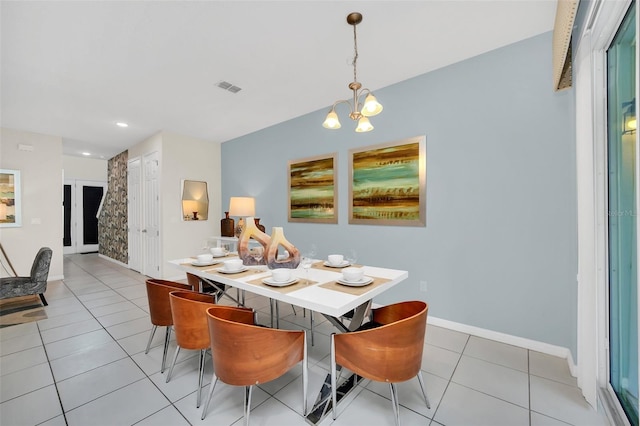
509	339
117	262
55	278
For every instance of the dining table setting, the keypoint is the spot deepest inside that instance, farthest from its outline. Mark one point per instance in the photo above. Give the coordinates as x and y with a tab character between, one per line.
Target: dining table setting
333	287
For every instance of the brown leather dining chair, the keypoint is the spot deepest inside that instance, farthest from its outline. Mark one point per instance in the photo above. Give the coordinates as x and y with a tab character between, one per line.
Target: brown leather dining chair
245	354
191	328
160	310
388	349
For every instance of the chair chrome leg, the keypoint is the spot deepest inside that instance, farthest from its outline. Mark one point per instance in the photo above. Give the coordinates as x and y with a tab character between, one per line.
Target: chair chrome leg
175	357
153	331
424	392
394	402
212	386
294	310
201	373
334	397
305	377
247	404
167	337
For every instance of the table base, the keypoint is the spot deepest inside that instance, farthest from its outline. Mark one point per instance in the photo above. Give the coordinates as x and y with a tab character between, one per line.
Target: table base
322	406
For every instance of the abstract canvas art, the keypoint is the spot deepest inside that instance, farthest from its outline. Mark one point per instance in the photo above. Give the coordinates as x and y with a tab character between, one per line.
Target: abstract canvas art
313	189
388	183
10	207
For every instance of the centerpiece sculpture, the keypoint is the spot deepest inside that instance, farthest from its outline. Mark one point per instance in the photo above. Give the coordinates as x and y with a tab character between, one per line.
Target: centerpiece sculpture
268	253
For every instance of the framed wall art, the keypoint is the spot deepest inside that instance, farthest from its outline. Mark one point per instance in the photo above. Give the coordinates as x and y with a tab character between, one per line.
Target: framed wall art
388	183
10	203
313	189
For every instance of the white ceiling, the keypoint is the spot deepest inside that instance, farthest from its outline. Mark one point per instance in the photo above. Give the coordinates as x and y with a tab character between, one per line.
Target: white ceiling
73	69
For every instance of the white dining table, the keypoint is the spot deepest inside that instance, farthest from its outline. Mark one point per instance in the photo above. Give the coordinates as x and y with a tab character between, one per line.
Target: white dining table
323	295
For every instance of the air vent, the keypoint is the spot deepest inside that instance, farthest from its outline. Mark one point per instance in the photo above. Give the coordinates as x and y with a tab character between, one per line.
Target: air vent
228	86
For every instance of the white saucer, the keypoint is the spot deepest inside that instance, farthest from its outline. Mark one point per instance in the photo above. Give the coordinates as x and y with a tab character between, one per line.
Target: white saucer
196	263
344	264
224	271
219	255
363	281
269	281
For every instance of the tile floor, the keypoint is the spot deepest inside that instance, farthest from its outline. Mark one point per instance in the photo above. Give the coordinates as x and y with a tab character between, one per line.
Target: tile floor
85	365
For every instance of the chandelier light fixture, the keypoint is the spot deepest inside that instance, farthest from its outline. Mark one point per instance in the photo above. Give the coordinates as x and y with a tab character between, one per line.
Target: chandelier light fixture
357	110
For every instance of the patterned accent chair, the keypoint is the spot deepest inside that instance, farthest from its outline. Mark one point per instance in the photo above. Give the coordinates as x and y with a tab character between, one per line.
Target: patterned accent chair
34	284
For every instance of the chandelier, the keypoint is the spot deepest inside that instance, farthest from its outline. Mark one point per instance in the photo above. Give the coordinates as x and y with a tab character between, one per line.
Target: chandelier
358	111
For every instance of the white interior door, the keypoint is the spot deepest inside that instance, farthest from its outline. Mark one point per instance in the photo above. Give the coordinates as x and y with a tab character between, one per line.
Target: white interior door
134	183
151	215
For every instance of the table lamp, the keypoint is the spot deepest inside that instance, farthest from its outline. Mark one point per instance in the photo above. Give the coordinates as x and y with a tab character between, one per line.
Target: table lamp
242	207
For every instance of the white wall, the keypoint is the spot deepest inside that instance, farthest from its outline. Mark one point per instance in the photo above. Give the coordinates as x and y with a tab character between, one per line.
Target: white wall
183	157
189	158
84	168
41	176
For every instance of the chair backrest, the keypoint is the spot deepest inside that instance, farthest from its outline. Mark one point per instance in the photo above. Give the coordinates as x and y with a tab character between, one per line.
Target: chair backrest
245	354
189	311
40	267
158	296
391	352
193	280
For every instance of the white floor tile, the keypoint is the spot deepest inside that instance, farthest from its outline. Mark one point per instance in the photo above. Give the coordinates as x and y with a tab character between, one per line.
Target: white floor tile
56	421
125	406
169	416
23	359
410	395
18	411
86	387
562	402
273	412
291	394
463	406
70	330
446	339
77	344
184	378
493	379
538	419
129	328
19	343
112	308
80	362
138	342
124	316
550	367
439	361
60	320
25	381
99	295
498	353
102	301
18	330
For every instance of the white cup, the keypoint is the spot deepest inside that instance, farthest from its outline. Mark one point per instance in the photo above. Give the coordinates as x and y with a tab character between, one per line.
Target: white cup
281	274
232	264
218	251
335	259
205	258
352	274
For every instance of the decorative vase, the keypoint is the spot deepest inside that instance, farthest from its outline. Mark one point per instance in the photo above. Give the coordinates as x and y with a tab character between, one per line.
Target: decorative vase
277	240
253	256
227	226
258	224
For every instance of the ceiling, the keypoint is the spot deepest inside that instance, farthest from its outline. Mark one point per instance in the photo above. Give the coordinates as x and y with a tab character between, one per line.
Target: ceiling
73	69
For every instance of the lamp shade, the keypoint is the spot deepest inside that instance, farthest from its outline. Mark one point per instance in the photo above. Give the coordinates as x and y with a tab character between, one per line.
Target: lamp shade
242	206
331	122
364	125
371	106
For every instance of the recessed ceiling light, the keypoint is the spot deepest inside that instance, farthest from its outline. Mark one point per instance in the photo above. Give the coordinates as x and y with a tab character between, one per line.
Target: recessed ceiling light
86	153
122	124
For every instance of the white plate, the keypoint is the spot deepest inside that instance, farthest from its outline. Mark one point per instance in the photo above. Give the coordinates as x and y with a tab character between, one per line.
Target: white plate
269	281
219	255
196	263
344	264
224	271
364	281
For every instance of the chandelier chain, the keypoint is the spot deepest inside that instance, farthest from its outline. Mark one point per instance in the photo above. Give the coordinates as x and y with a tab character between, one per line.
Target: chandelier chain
355	55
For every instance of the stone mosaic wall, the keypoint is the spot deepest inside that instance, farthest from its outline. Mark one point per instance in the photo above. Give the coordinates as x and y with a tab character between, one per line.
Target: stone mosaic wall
112	223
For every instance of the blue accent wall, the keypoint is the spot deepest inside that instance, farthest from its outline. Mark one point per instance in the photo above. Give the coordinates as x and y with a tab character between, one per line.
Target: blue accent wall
500	247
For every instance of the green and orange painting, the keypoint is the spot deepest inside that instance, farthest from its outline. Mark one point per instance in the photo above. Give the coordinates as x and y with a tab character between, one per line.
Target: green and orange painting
312	190
386	183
